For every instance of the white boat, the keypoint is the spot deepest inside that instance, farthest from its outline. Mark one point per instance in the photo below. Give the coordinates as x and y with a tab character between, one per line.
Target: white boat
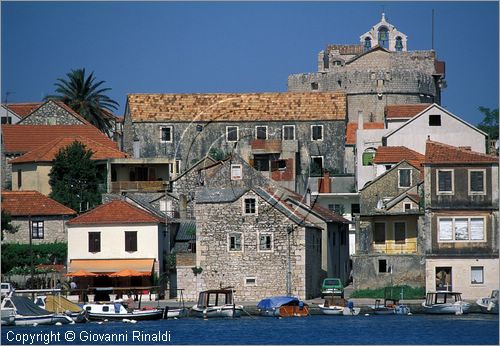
390	307
27	313
338	307
177	312
116	311
59	304
216	303
489	304
445	302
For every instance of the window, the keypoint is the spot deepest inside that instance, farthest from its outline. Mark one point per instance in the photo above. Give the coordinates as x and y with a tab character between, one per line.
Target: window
434	119
232	133
234	243
250	206
131	241
94	241
265	242
6	120
368	156
380	82
261	162
355	209
316	167
407	206
461	229
278	165
316	132
400	232
476	182
399	44
379	233
166	134
36	229
250	281
236	172
261	132
314	86
477	275
368	44
404	177
288	132
382	266
445	181
19	178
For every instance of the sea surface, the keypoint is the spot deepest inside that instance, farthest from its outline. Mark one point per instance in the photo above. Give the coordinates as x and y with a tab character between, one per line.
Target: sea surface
471	329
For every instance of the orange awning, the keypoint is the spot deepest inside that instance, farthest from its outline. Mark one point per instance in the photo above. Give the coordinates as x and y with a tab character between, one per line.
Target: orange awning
81	273
108	266
129	272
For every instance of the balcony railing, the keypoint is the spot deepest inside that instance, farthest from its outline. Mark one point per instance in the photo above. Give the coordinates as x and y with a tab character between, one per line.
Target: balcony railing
142	186
393	248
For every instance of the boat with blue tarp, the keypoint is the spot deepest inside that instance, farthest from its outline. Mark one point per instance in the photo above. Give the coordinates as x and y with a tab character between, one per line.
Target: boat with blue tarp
283	306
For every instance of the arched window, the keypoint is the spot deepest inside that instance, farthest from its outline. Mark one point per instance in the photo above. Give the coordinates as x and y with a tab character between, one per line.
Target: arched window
368	156
383	37
368	43
399	44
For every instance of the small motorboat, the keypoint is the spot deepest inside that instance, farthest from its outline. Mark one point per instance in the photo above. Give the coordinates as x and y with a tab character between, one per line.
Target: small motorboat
489	304
217	303
283	306
445	302
116	311
340	306
390	307
59	304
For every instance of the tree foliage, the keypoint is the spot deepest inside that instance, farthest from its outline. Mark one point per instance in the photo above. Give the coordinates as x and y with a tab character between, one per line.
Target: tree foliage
7	225
74	178
490	122
18	255
85	96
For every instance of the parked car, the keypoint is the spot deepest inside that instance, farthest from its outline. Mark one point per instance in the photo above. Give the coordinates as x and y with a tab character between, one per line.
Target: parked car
332	287
6	288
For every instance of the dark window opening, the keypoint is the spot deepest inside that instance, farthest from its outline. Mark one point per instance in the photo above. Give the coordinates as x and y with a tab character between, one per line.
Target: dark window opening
166	134
289	132
434	119
250	206
477	181
399	232
399	44
314	86
94	241
404	177
382	266
379	233
6	120
317	132
19	178
131	241
278	165
383	37
355	209
265	242
368	44
445	181
261	132
316	168
235	242
232	134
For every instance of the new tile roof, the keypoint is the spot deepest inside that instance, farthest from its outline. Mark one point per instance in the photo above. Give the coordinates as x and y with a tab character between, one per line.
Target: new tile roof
351	128
23	109
115	212
404	110
24	138
25	203
286	106
187	230
396	154
48	152
436	152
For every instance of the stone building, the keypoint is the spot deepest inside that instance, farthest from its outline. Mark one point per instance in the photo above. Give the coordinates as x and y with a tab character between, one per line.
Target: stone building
378	71
461	211
286	136
47	218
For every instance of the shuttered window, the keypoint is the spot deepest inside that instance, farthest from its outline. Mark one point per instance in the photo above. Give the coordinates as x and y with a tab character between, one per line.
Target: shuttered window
400	232
476	182
131	241
461	229
379	233
404	177
94	241
445	181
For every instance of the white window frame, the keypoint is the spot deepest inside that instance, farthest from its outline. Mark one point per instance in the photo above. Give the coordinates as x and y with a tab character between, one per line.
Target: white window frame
399	178
267	131
250	284
452	192
476	193
453	240
236	177
322	161
237	133
322	133
171	134
229	242
482	275
258	241
283	132
244	206
394	231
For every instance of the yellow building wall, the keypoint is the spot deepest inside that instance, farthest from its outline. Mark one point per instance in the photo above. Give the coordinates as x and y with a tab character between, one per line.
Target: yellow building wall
33	177
390	246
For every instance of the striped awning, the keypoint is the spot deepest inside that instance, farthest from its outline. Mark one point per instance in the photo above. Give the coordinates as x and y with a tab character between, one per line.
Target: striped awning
108	266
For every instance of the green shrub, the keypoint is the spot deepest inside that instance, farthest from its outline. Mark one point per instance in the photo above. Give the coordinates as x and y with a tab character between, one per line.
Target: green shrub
408	292
18	255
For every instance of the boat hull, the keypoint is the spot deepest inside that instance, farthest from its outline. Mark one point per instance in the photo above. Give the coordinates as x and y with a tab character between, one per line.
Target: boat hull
177	313
331	310
386	310
8	316
136	315
217	311
487	306
41	320
450	309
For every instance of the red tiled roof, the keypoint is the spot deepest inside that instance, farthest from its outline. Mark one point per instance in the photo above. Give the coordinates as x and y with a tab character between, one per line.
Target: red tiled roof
48	152
350	137
404	110
115	212
436	152
396	154
24	203
23	109
24	138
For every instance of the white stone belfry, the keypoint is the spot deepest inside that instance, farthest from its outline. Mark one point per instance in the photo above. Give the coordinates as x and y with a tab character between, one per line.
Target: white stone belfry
385	35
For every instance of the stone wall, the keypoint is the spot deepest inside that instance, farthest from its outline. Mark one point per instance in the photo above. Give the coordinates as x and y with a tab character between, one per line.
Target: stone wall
51	114
54	230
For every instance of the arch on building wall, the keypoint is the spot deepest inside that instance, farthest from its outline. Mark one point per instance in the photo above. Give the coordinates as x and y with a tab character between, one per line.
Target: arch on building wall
368	156
398	46
383	37
368	44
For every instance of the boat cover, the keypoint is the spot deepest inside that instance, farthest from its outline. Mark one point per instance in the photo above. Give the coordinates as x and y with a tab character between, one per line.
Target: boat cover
274	302
25	307
60	304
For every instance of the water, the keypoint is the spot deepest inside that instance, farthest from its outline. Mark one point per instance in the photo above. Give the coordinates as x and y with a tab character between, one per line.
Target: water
471	329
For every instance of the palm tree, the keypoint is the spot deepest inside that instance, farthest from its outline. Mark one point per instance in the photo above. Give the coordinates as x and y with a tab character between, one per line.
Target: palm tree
82	94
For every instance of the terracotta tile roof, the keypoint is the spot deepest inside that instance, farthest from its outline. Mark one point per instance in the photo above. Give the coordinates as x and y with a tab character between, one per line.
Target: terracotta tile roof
436	152
23	138
115	212
24	203
404	110
48	152
283	106
351	128
396	154
23	109
344	49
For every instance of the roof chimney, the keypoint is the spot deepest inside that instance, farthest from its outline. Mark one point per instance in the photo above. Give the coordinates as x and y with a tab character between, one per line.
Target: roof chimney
360	120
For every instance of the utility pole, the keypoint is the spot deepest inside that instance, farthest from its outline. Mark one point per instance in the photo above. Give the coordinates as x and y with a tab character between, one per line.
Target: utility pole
32	268
289	231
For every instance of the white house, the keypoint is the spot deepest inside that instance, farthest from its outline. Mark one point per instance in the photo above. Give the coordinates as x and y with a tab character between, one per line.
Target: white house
116	236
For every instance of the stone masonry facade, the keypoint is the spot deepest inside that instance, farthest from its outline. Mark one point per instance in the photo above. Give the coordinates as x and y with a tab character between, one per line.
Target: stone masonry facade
50	113
54	230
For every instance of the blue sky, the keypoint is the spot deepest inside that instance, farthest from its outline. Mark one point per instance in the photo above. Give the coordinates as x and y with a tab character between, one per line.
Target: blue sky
204	47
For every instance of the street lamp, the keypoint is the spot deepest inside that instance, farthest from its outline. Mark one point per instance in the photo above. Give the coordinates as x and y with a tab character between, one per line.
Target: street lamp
289	231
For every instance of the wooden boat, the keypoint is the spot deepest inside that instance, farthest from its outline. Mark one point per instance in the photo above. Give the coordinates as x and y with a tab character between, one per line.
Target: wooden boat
489	304
59	304
445	302
283	306
216	303
333	306
116	311
390	307
28	313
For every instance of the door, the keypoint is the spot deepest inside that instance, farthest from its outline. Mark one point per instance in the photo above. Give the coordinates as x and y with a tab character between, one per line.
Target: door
443	279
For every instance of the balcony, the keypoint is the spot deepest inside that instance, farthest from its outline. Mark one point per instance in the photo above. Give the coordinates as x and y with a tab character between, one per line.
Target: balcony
394	248
140	186
265	146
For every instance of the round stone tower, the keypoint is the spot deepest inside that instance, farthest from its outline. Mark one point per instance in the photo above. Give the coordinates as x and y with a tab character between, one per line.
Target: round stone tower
376	72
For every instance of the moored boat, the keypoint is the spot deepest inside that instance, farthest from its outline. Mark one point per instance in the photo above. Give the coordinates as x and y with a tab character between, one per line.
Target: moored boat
116	311
59	304
340	306
445	302
283	306
390	307
489	304
216	303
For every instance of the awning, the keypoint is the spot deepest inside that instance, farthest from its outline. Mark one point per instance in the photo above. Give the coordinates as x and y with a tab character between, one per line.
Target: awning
108	266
